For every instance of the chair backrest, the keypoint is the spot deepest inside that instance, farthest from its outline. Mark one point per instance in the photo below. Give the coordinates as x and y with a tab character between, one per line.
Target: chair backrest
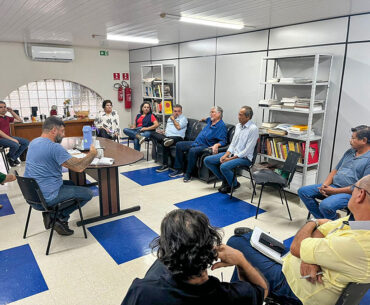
353	294
31	191
230	132
255	154
290	165
195	129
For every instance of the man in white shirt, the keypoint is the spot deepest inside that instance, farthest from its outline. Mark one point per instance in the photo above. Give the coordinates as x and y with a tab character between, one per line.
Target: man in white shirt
240	151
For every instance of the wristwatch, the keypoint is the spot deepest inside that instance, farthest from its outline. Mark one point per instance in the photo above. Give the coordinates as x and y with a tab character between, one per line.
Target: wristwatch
315	221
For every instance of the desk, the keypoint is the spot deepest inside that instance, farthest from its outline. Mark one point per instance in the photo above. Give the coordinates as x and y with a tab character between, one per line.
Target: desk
32	130
107	177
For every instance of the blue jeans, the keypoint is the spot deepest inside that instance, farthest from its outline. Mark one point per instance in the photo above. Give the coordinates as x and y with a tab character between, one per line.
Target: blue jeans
193	153
132	132
15	150
327	207
225	170
271	270
70	191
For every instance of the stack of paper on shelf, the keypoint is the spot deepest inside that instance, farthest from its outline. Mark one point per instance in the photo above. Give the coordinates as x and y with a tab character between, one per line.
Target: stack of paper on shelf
295	80
289	102
268	102
266	125
303	104
280	130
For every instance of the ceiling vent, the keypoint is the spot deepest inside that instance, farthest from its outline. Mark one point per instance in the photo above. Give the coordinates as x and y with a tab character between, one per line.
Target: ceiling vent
48	53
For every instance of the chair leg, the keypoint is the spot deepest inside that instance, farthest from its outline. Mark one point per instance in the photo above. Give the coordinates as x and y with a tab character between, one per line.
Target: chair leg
27	222
232	184
254	191
259	200
252	181
214	184
281	197
147	151
287	206
82	220
52	231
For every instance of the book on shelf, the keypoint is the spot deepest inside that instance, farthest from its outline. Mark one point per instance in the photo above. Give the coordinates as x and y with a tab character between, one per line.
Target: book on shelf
167	107
313	152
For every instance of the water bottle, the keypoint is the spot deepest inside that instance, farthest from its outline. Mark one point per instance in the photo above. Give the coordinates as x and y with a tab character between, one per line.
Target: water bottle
87	137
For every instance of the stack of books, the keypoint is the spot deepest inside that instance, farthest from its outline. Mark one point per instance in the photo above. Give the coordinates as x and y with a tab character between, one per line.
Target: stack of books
303	104
289	102
298	131
280	130
268	103
265	126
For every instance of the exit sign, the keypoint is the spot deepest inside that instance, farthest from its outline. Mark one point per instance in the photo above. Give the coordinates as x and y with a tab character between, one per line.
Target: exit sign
104	53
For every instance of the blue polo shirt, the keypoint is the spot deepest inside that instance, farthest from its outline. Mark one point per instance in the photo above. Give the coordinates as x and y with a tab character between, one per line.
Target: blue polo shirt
44	164
350	168
212	134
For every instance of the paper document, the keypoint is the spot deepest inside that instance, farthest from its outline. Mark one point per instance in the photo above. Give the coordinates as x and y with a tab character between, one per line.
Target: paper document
76	153
102	161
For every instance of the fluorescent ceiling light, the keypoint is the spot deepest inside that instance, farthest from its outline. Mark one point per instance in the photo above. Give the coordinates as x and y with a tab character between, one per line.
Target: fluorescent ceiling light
234	26
132	39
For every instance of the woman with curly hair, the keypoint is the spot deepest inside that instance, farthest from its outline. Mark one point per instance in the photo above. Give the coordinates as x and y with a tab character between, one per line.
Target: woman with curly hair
187	247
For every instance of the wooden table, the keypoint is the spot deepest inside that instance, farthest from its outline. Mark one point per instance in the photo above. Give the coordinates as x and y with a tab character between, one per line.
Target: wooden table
107	177
32	130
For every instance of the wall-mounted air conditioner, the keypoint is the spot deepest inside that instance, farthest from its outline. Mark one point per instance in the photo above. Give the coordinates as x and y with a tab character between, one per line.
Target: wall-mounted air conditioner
46	53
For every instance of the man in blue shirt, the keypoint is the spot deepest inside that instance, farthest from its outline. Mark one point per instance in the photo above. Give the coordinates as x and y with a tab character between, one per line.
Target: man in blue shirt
213	135
335	191
240	151
44	162
175	132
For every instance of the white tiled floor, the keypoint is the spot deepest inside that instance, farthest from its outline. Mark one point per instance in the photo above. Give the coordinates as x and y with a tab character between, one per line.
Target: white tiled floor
80	271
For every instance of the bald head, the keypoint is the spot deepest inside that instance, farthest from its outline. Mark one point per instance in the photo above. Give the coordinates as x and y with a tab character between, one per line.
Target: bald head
364	183
359	204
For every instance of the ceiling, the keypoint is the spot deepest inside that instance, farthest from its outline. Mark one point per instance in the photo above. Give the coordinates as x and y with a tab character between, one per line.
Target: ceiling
72	22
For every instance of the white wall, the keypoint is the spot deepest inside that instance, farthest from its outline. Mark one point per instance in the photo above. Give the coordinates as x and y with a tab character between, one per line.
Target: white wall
89	69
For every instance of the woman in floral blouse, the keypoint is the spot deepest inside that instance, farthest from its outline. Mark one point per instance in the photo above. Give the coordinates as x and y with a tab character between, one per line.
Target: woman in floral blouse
107	121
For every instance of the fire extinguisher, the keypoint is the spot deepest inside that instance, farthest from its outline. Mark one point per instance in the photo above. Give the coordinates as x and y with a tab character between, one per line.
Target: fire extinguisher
120	94
127	97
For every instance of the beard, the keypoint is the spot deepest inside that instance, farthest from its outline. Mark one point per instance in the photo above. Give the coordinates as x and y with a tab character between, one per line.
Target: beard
58	139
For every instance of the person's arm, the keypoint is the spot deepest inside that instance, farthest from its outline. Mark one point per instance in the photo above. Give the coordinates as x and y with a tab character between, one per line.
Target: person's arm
251	142
16	117
5	136
79	164
308	230
329	178
175	123
232	257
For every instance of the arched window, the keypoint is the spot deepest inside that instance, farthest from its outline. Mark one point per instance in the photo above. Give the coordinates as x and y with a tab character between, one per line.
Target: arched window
48	92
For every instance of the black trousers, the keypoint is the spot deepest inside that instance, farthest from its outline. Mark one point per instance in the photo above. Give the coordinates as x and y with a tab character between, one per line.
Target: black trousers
159	139
104	134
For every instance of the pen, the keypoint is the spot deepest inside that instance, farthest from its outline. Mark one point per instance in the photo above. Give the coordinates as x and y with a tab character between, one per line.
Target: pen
308	276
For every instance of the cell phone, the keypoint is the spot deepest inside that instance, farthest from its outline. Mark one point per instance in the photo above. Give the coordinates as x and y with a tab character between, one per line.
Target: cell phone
272	243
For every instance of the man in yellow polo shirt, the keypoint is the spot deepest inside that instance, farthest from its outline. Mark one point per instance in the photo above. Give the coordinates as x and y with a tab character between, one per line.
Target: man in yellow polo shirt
329	254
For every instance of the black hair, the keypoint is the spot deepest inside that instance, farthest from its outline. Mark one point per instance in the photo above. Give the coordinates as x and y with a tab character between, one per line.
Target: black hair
2	102
141	107
52	122
178	106
362	131
105	102
187	243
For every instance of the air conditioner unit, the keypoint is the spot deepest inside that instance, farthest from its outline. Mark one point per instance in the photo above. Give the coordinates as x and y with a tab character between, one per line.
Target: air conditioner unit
43	53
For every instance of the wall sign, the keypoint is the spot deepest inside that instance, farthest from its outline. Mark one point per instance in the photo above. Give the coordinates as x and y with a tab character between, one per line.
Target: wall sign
125	76
103	53
116	76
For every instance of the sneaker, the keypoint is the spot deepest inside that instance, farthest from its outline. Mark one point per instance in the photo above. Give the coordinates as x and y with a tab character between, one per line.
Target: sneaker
176	173
62	228
47	220
224	183
163	168
168	142
141	138
12	163
224	190
187	178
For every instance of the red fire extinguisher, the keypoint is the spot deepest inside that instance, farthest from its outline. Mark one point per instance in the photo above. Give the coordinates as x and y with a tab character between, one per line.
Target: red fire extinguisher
127	97
120	94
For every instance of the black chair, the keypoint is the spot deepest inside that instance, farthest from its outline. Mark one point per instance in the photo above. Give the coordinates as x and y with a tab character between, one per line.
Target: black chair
34	197
267	177
353	294
5	158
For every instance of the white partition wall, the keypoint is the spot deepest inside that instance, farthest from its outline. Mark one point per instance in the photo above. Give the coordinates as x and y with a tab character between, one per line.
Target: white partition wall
225	71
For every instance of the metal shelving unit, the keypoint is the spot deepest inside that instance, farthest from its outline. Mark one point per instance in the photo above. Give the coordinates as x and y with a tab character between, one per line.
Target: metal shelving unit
314	67
161	76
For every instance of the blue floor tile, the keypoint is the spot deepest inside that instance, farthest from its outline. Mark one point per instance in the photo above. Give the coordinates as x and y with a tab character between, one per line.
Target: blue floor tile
366	299
148	176
220	209
94	188
20	276
124	239
7	208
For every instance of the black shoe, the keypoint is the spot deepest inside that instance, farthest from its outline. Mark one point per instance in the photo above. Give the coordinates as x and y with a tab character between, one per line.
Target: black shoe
168	142
47	220
224	183
176	173
224	190
13	163
163	168
187	178
242	230
62	228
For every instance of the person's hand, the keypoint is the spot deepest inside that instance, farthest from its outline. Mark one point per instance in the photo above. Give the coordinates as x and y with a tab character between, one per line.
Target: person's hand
93	150
228	256
9	109
322	221
328	190
172	118
311	270
143	129
15	140
214	149
203	120
223	158
10	178
322	190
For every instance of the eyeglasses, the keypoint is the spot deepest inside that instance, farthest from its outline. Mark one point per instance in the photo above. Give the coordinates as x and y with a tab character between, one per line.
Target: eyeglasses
353	186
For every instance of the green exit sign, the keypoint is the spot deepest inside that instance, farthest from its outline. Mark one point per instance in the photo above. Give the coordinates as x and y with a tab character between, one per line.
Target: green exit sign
104	53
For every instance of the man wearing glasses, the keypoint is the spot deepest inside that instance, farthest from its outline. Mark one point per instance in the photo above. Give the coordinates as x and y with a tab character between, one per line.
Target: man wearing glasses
325	256
335	191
